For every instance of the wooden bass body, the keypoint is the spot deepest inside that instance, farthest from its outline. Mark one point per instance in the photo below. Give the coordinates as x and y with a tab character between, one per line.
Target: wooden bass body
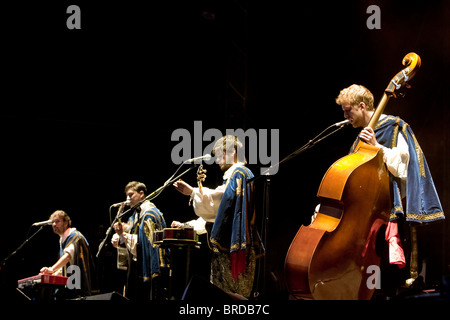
329	259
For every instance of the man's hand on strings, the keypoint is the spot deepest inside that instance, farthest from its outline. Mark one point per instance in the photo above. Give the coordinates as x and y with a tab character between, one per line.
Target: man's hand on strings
177	224
118	227
368	136
115	240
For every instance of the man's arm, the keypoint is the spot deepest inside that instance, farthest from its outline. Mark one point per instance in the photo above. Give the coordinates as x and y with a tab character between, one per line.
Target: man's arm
396	159
205	203
58	265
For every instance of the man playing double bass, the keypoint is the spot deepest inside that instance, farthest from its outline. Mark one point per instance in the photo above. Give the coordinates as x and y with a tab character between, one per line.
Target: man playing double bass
414	197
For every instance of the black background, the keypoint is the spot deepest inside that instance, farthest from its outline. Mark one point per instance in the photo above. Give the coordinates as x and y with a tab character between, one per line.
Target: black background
83	112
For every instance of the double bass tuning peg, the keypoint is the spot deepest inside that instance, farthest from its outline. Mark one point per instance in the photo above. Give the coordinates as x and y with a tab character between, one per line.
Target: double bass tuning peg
402	92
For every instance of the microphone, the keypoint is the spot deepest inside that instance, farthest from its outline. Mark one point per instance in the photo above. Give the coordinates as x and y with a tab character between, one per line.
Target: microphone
42	223
342	123
118	204
205	157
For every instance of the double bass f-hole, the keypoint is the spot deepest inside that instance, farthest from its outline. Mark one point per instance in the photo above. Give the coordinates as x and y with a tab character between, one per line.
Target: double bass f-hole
201	176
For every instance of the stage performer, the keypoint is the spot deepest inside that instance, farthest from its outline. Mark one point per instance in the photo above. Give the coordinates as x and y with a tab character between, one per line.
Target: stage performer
145	262
74	250
414	196
226	213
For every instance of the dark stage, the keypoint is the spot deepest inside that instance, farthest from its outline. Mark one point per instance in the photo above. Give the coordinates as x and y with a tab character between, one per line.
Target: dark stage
85	111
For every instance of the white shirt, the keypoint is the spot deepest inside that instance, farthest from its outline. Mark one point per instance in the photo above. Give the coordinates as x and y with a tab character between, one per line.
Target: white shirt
71	247
129	239
397	159
207	204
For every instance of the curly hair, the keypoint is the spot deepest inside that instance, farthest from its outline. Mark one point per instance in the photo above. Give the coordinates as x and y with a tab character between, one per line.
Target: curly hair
228	143
354	95
63	215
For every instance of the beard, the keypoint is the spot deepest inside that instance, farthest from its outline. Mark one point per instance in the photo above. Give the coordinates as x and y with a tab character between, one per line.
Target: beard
224	167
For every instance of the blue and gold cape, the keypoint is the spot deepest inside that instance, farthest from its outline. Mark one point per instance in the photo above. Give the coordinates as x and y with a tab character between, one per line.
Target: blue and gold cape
147	252
422	199
82	258
232	229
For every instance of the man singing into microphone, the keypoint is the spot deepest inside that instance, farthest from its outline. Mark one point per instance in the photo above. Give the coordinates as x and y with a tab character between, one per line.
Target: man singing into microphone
74	250
144	258
227	211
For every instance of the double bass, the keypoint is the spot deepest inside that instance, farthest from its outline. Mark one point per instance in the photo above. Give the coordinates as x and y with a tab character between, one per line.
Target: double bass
335	256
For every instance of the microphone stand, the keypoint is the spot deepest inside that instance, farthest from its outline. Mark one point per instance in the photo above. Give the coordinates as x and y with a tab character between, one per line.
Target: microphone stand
266	210
311	143
3	263
151	196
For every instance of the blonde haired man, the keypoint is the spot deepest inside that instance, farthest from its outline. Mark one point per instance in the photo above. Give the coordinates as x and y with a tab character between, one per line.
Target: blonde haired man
414	197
